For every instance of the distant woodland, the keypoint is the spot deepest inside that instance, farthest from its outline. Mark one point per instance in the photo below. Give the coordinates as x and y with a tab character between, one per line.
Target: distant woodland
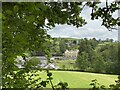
94	55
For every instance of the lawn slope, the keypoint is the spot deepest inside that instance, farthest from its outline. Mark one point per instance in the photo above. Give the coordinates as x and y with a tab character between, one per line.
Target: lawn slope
80	79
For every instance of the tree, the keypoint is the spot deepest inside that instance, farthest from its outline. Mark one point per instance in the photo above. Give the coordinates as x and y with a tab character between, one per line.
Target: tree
86	46
55	49
116	86
98	64
105	13
99	55
93	42
24	28
62	46
111	59
82	61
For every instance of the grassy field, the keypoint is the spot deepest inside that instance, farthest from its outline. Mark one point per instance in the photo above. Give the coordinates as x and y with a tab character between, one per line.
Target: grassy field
66	64
79	79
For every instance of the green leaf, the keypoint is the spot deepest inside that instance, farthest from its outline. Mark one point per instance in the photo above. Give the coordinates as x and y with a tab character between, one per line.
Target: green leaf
49	74
16	8
30	18
9	12
0	15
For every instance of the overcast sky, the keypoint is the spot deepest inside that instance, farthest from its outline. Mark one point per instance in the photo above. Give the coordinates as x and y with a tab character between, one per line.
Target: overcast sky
90	30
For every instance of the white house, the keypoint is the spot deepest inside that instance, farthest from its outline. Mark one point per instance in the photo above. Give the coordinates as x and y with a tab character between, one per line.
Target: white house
72	54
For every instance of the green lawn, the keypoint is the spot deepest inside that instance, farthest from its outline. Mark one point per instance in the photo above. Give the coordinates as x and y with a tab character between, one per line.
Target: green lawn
66	64
79	79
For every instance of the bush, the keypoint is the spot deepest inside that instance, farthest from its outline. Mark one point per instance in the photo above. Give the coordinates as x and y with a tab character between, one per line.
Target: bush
33	62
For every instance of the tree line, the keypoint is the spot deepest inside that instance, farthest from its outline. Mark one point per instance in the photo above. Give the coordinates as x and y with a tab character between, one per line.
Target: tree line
98	56
101	56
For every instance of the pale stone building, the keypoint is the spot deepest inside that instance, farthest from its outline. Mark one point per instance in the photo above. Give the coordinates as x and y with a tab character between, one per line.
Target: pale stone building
72	54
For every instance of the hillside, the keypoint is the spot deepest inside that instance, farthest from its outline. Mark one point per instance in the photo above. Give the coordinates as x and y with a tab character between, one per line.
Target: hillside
79	79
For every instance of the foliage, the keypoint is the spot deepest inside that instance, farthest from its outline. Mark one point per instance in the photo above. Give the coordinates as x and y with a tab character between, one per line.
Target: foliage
33	82
62	46
62	86
55	49
59	86
96	86
24	30
100	56
24	26
76	79
117	85
33	63
59	45
98	63
66	64
105	13
82	61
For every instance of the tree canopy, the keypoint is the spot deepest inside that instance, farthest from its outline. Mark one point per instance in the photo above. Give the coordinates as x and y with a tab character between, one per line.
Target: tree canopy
25	25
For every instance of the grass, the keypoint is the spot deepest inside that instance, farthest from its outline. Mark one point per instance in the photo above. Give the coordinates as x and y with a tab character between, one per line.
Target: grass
79	79
66	64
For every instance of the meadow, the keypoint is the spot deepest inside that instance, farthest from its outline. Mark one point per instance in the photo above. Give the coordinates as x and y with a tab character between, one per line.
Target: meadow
66	64
79	79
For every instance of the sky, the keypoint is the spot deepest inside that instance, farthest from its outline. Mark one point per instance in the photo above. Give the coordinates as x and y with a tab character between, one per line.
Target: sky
92	29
